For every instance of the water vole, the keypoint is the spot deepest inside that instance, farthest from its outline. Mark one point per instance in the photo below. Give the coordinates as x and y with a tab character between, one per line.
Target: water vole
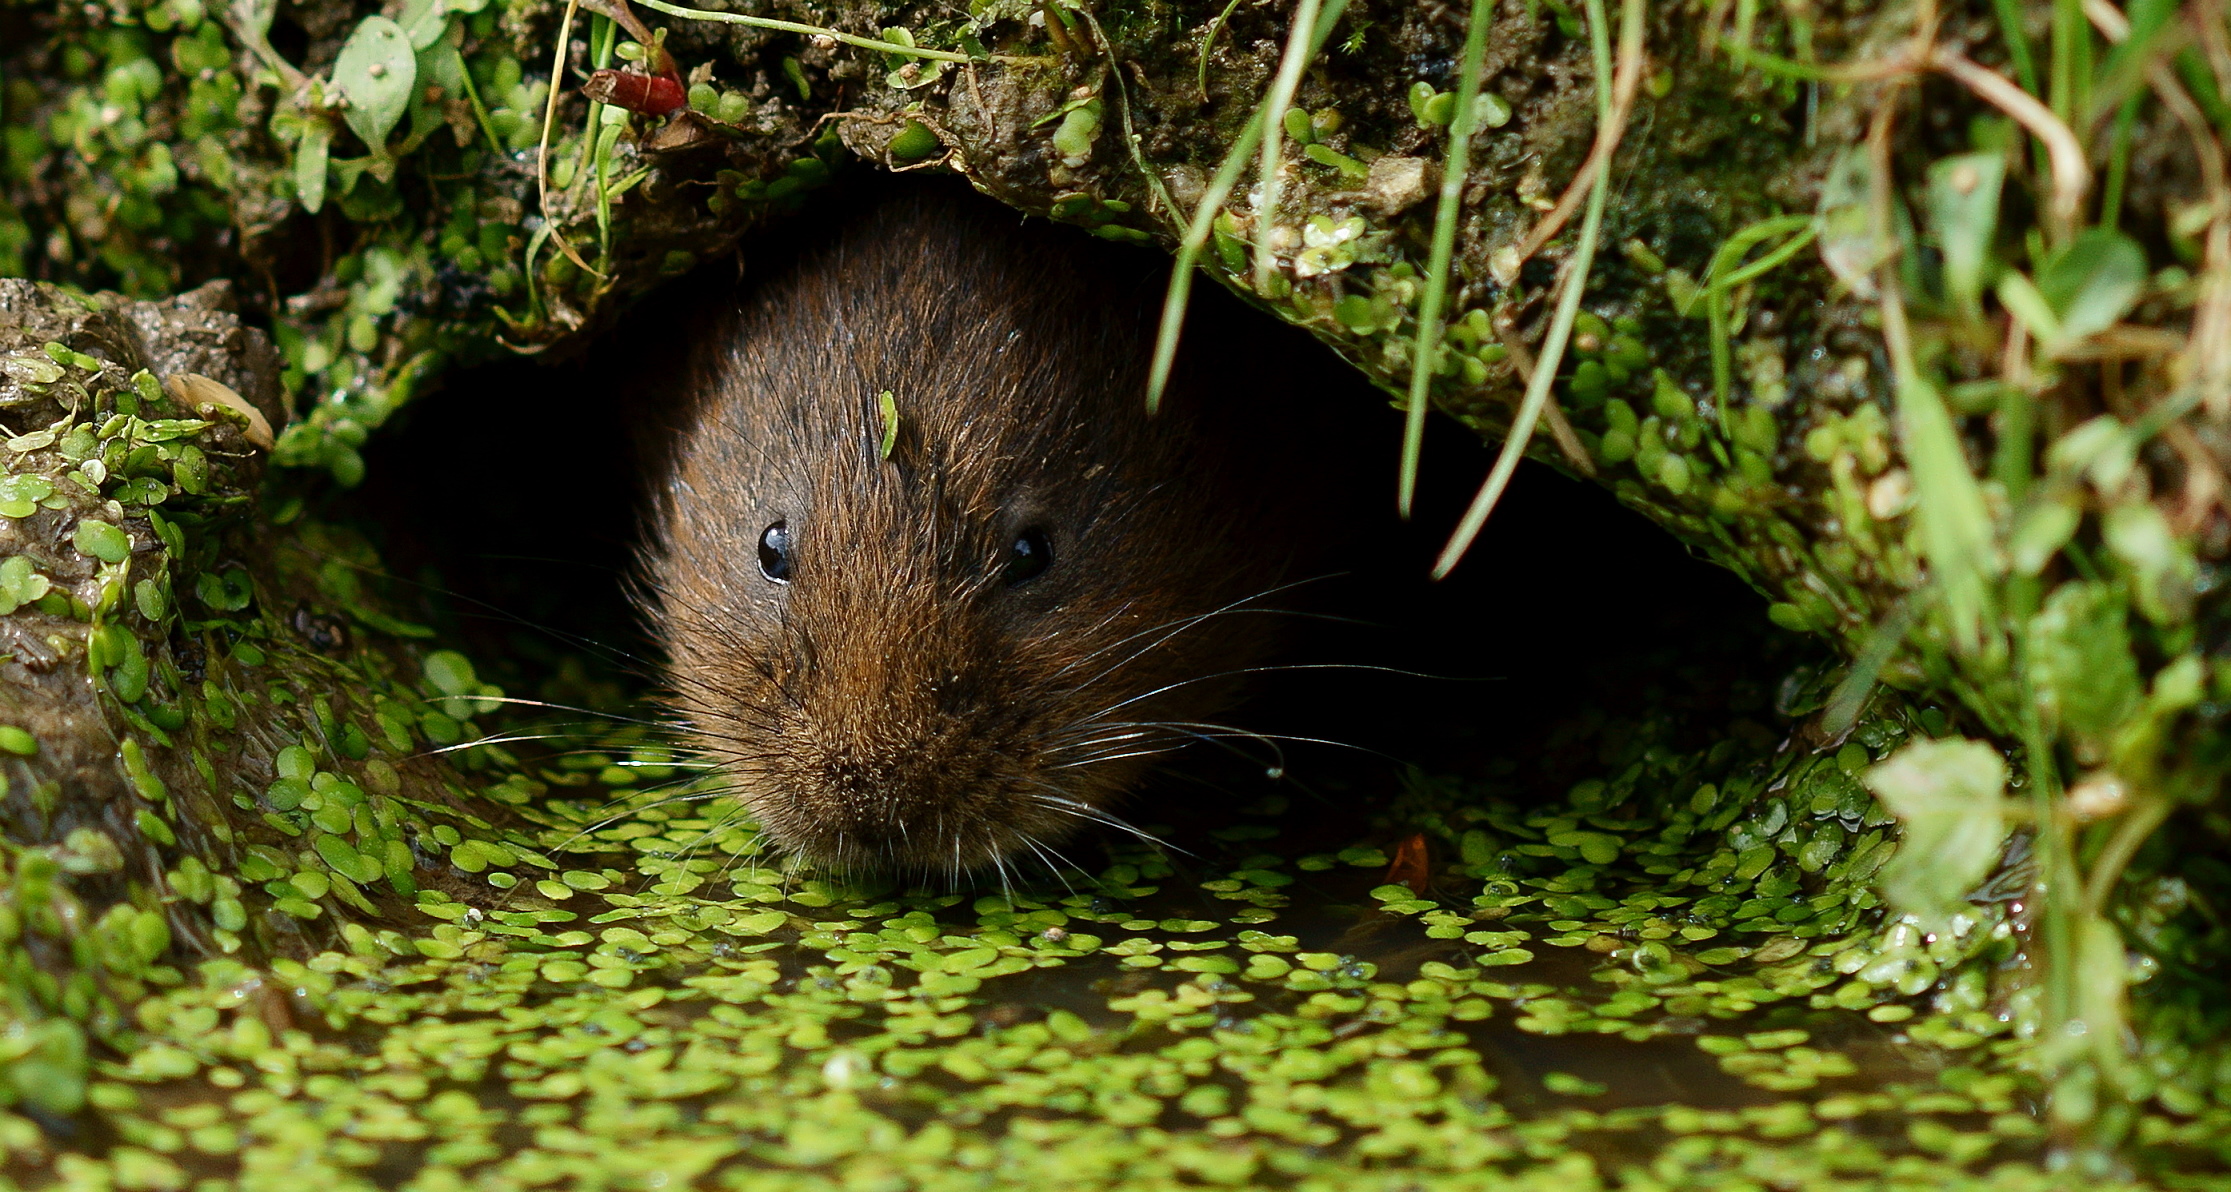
928	644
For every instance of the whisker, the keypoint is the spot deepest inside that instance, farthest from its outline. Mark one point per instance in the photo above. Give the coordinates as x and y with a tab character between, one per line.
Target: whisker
1179	626
1086	811
1288	666
1058	870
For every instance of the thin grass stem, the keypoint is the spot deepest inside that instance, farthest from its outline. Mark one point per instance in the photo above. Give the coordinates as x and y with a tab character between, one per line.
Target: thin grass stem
2018	51
850	39
1568	299
1197	232
542	149
1208	43
1725	274
480	110
1203	223
1299	52
1446	216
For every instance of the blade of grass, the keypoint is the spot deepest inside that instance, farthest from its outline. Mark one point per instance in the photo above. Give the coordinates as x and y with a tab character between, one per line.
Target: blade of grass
1568	298
2135	56
1197	232
1208	43
1189	255
2017	41
2118	163
1101	45
1851	694
1299	53
1955	524
1445	218
850	39
1726	273
542	150
480	110
2071	60
606	40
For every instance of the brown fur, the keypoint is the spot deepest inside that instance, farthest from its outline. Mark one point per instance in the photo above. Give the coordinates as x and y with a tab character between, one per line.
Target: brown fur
897	706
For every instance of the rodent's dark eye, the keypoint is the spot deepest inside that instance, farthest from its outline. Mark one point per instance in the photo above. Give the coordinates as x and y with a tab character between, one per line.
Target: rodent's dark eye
774	553
1027	559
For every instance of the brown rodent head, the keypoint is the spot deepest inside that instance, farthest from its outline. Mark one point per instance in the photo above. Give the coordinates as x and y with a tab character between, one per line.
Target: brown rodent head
966	648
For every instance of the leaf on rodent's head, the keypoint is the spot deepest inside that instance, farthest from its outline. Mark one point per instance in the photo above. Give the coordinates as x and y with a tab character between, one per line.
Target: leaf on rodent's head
888	403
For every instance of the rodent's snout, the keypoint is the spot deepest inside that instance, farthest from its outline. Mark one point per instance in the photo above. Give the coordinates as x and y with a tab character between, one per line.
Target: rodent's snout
927	795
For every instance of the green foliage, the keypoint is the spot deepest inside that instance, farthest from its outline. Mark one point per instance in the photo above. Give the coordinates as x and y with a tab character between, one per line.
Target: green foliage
1950	797
375	75
2001	517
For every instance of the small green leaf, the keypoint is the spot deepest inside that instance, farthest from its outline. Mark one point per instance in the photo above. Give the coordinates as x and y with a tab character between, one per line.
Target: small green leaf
1964	214
451	673
1950	796
1356	313
2093	282
30	370
424	22
2041	530
1421	93
1079	129
888	403
102	541
63	354
20	583
2080	663
310	158
1569	1085
913	143
376	72
2163	570
1349	166
2021	298
1845	220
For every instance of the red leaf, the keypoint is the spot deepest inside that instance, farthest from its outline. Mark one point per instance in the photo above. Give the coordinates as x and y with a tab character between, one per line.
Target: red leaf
1411	867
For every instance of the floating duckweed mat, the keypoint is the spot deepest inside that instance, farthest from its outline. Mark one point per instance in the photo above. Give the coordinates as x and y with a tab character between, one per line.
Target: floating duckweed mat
1674	976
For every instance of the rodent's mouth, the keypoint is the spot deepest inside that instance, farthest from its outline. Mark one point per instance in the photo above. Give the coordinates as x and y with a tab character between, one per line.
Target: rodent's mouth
925	819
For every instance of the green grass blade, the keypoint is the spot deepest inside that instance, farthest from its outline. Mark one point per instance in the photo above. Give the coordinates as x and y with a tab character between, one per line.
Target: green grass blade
1219	188
1299	53
1462	125
1850	696
1568	303
1189	256
1208	43
2017	43
1726	273
850	39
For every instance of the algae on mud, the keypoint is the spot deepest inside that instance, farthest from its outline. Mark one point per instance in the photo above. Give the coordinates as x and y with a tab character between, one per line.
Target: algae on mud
1971	440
